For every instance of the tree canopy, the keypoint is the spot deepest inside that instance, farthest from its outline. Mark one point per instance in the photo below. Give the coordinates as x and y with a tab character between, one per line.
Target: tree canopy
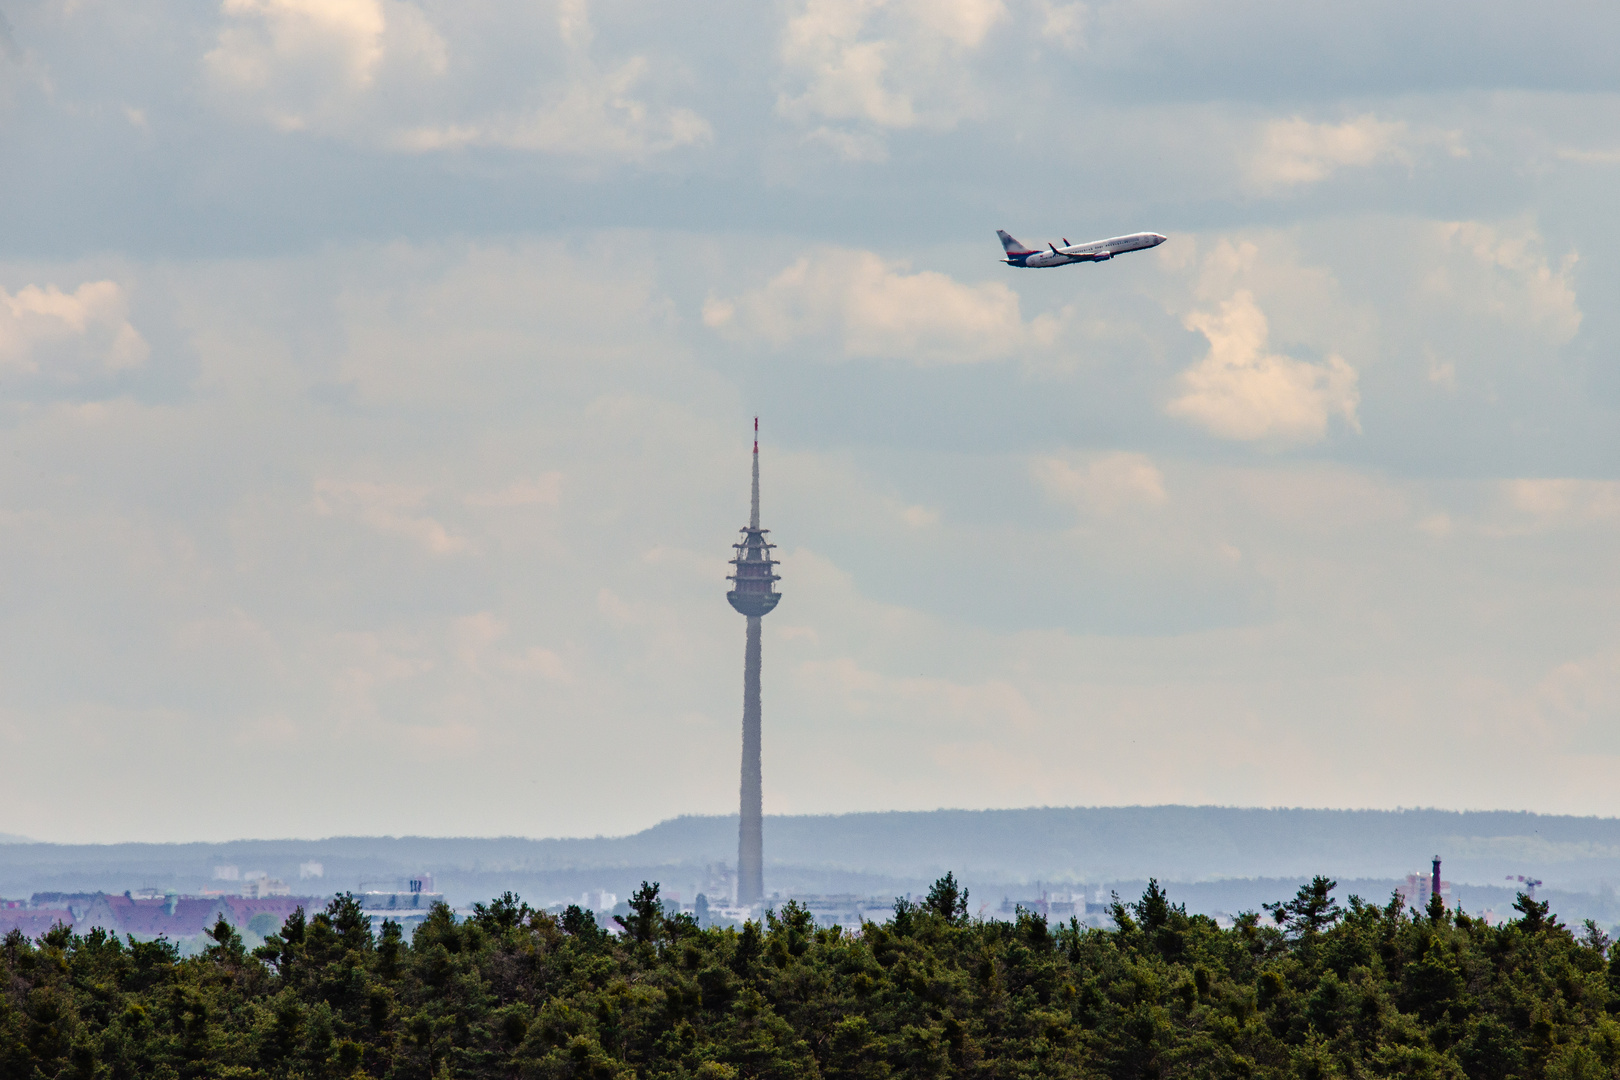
1317	991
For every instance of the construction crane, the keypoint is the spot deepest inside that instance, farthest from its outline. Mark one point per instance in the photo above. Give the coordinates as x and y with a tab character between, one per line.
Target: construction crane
1530	883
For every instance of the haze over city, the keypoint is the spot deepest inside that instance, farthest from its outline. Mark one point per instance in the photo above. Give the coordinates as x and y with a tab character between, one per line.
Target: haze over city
377	379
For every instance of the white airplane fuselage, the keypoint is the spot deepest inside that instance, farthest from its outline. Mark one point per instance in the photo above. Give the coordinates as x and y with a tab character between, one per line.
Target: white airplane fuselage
1093	251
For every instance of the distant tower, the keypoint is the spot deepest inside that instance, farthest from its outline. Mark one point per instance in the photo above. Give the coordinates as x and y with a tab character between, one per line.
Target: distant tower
753	594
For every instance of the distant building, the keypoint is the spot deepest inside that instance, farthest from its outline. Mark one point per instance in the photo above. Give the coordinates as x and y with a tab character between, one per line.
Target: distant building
147	916
407	904
848	910
266	886
1418	888
407	908
307	870
32	922
399	901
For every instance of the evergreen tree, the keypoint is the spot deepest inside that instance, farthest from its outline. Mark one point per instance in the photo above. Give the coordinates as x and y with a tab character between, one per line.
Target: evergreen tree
1311	911
1314	991
947	900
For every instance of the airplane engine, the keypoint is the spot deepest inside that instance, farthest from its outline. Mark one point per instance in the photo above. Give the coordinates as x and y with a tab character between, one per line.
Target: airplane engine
1102	255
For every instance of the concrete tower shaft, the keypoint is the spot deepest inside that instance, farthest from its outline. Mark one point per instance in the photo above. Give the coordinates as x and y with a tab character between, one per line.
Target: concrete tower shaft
751	801
754	595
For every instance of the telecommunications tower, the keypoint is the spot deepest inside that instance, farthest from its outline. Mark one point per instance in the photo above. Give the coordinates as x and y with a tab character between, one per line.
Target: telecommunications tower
753	594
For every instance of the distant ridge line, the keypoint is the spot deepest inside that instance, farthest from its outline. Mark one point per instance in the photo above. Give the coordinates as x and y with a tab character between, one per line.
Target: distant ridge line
846	815
995	850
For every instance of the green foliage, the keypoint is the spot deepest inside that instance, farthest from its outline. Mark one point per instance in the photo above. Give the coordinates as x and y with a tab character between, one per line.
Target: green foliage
1316	991
1312	909
646	914
947	900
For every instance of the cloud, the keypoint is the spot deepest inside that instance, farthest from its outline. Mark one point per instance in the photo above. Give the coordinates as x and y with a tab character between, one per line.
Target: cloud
1064	23
919	517
875	308
307	63
69	335
1106	483
594	115
1559	502
1296	151
380	72
1241	391
891	64
1591	157
1577	701
473	640
388	508
1504	272
936	702
544	490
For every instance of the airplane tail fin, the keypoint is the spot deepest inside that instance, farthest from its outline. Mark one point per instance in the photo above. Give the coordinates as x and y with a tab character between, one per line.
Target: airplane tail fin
1011	246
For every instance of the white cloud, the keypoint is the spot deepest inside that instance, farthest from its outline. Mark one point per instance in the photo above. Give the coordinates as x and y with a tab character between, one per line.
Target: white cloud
876	308
473	642
1104	483
1242	391
379	71
544	490
307	63
388	508
1296	151
69	335
596	114
919	517
851	145
1591	157
864	693
1553	502
344	35
1503	271
1577	702
1064	23
892	64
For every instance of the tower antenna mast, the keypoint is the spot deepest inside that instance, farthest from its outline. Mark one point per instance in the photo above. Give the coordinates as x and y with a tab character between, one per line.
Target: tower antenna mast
753	594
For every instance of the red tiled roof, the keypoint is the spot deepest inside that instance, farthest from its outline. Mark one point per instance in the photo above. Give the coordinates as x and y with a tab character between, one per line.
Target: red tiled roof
191	915
33	921
150	918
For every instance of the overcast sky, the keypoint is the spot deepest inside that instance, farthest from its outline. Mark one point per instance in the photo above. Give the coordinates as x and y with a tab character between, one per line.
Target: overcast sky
376	379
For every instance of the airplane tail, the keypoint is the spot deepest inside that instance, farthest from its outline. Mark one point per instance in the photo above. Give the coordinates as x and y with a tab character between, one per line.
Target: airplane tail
1011	246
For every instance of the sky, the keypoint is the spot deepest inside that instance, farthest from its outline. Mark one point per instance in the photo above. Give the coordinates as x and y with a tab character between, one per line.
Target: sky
377	380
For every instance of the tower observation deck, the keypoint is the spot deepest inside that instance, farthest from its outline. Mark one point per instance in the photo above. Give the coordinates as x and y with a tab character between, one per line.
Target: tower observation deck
753	594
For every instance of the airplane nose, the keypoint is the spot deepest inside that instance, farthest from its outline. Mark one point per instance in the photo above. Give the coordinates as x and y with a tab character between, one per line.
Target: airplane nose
1159	238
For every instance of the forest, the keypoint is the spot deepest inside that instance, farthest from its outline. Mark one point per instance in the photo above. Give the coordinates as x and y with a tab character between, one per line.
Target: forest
1306	988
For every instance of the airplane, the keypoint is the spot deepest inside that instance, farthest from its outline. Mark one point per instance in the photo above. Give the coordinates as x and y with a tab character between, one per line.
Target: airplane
1094	251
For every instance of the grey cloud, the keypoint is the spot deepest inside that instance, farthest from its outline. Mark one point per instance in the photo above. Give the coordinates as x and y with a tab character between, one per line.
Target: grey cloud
1270	50
8	40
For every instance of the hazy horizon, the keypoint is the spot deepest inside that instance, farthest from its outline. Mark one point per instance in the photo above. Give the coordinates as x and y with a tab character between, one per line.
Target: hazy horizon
654	826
